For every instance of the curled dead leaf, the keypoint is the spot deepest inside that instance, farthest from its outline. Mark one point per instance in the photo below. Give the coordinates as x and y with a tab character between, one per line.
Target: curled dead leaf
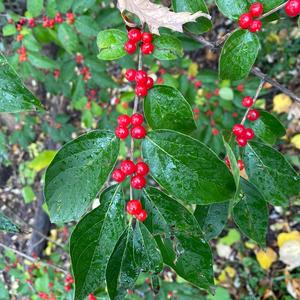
156	15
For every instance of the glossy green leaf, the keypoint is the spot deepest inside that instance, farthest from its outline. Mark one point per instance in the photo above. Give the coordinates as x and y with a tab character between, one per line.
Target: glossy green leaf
77	173
135	252
212	218
187	168
166	108
269	4
238	55
93	241
35	7
7	225
83	5
188	253
233	164
9	29
268	128
167	47
68	38
251	213
271	173
232	8
87	26
64	5
111	44
14	96
42	62
202	24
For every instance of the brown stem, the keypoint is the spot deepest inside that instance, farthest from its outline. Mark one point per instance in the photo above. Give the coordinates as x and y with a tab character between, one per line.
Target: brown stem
272	11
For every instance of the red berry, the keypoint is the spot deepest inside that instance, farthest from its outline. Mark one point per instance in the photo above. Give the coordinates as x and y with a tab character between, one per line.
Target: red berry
249	134
238	129
69	279
130	74
137	119
253	115
241	141
147	37
121	132
227	162
138	132
255	26
240	164
247	101
130	47
134	35
150	82
138	182
134	207
245	20
142	168
141	77
215	131
256	9
124	120
292	8
68	288
128	167
142	216
91	297
141	90
118	175
147	48
31	22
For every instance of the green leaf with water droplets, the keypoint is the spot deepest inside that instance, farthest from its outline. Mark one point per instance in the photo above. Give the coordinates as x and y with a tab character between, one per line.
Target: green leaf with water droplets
77	173
14	96
7	225
93	241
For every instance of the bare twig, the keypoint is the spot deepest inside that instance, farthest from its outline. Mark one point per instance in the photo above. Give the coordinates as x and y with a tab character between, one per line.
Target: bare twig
272	11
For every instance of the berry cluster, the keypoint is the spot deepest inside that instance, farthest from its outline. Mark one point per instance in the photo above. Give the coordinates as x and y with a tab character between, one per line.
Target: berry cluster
22	54
134	37
246	20
292	8
135	208
138	131
143	81
69	280
240	163
138	173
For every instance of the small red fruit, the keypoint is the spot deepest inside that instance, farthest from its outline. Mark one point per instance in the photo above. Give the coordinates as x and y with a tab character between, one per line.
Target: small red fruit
142	216
256	9
134	35
122	132
255	26
68	288
142	168
249	134
118	175
141	90
91	297
127	167
215	131
150	82
227	162
69	279
241	141
138	132
134	207
245	20
238	129
240	164
147	37
130	47
253	115
141	77
292	8
124	120
130	74
247	101
137	119
147	48
138	182
31	22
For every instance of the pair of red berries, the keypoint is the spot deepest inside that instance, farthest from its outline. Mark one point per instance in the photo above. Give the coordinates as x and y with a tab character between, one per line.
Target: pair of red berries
135	208
240	163
292	8
137	131
243	135
128	168
143	81
246	20
134	37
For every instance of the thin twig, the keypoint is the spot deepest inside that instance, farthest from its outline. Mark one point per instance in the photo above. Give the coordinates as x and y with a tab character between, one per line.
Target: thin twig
272	11
32	259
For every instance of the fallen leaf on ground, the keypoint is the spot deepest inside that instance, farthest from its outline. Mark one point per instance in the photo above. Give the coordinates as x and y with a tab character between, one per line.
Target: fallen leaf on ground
266	258
282	103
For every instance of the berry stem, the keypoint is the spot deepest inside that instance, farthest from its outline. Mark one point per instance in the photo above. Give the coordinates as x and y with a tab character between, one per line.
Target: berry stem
272	11
262	82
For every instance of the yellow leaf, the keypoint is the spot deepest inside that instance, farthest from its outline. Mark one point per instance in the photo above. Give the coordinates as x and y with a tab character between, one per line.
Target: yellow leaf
282	103
289	236
193	70
42	161
228	272
296	141
266	258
